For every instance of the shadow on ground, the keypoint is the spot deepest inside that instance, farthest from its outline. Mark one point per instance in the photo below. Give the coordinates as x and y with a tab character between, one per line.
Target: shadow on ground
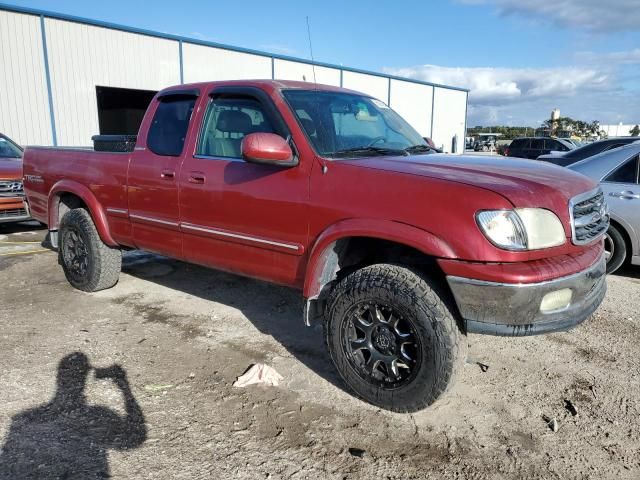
29	226
67	437
274	310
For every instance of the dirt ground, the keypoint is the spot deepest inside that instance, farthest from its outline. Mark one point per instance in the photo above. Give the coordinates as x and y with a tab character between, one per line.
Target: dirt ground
182	334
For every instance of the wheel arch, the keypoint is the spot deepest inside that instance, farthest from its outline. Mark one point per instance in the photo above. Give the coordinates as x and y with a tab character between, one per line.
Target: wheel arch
625	230
333	251
67	194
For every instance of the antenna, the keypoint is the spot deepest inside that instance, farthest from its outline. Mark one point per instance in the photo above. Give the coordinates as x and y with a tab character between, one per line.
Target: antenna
313	62
323	165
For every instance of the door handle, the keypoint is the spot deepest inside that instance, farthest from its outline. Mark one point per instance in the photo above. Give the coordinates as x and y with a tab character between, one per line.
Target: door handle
627	195
167	174
197	177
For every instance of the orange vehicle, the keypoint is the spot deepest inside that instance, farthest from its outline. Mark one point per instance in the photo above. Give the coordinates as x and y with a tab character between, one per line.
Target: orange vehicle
13	208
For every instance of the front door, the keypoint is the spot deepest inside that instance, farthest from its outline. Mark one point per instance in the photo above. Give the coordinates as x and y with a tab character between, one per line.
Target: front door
243	217
153	175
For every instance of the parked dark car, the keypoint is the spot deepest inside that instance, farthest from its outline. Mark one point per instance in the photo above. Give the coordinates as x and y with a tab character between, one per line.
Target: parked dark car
567	158
533	147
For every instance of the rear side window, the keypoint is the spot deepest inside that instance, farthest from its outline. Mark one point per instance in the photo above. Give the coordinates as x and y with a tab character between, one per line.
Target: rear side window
537	144
626	173
615	145
555	145
519	143
169	126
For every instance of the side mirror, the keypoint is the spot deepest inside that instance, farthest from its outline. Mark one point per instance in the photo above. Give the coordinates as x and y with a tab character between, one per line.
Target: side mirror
267	148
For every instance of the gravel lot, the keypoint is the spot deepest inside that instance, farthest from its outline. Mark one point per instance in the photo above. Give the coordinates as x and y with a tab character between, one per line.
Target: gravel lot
182	334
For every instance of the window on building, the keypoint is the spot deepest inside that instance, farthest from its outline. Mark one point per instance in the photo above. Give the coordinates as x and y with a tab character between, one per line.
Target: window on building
170	124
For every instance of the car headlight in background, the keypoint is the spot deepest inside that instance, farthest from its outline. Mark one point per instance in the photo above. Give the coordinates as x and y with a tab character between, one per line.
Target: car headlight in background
522	228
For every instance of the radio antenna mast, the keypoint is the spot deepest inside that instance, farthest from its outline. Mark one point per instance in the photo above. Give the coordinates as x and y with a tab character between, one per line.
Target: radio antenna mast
313	62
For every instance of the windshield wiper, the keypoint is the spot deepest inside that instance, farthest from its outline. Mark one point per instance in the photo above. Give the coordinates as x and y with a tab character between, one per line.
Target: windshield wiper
371	151
420	148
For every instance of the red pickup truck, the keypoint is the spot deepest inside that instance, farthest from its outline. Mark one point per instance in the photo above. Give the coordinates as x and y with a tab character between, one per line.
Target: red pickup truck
399	251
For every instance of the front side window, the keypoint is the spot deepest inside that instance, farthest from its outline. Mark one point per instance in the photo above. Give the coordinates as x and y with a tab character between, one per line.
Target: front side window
227	122
8	149
626	173
170	124
343	125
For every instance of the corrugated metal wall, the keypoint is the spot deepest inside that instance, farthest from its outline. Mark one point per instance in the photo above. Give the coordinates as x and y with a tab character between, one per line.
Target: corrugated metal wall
303	72
449	113
82	56
203	64
413	102
24	107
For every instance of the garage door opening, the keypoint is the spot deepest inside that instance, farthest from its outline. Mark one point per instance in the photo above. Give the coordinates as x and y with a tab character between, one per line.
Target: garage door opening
120	110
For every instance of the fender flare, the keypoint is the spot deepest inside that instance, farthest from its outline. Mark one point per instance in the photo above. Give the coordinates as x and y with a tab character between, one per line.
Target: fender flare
322	264
86	195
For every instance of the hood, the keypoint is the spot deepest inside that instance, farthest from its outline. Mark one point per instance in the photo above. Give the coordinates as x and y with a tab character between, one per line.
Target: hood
525	183
10	168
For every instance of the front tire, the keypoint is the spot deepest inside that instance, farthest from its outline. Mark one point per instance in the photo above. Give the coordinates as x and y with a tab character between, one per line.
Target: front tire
88	263
393	338
615	249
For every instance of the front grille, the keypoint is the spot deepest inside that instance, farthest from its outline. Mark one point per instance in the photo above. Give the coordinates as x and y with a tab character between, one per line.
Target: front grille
589	216
11	188
13	213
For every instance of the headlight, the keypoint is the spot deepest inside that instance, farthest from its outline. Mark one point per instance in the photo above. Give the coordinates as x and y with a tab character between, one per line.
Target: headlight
522	228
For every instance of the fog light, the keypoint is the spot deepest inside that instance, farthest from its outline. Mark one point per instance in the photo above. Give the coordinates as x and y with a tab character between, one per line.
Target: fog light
554	301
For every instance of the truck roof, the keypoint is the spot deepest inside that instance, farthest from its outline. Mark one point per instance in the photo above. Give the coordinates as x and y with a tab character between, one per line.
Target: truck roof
265	84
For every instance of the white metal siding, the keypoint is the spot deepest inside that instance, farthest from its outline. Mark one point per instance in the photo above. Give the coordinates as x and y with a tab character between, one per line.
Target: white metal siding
287	70
449	110
203	64
24	104
82	57
413	102
377	87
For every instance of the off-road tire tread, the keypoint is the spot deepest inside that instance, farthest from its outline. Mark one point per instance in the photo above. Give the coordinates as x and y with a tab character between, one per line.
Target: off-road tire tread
426	297
106	262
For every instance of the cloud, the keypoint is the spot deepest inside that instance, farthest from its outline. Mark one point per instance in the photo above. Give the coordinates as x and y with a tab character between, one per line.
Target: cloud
592	15
526	96
500	86
630	57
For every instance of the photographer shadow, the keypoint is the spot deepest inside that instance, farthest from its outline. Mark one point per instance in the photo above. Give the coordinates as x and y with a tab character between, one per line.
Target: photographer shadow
67	437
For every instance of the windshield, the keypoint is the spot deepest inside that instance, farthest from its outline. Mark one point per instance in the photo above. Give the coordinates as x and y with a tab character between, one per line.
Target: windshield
8	149
345	125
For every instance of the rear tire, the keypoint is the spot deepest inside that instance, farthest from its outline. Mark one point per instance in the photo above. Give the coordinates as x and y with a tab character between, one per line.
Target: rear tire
393	338
88	263
616	249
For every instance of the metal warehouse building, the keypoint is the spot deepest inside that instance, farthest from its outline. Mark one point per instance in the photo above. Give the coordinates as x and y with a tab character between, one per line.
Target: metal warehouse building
64	79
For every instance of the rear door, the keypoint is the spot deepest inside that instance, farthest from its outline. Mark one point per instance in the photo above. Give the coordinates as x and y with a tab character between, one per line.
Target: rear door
243	217
153	174
622	193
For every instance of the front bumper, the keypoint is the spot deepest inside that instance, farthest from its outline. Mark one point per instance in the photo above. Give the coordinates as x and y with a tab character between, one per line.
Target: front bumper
509	309
15	212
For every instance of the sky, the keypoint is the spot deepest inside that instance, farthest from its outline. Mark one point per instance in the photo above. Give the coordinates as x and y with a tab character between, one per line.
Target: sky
519	58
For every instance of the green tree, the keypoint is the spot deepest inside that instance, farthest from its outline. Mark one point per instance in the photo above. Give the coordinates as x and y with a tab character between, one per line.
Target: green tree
635	131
